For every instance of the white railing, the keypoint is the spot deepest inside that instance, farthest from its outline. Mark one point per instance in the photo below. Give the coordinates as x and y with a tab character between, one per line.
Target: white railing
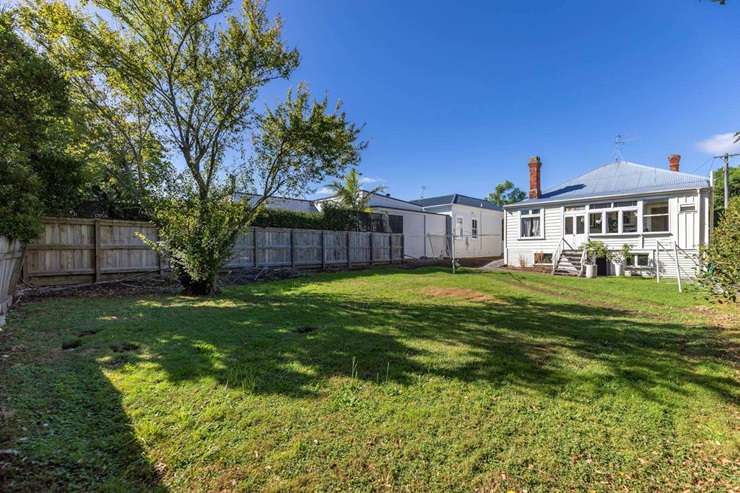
583	262
556	255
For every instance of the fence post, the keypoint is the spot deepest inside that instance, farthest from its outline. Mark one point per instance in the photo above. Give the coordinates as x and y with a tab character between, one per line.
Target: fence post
403	248
292	250
254	245
390	248
97	250
349	253
323	250
371	248
160	259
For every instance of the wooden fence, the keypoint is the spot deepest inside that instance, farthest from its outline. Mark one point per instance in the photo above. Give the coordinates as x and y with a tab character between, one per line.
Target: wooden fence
75	251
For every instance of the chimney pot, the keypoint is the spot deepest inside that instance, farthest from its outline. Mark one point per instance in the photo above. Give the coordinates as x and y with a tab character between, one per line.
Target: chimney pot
535	183
674	162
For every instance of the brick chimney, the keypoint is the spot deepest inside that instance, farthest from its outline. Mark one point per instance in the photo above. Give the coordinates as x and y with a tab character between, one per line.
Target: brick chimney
673	162
535	183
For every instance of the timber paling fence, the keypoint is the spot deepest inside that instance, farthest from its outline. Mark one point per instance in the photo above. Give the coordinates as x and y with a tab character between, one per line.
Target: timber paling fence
79	251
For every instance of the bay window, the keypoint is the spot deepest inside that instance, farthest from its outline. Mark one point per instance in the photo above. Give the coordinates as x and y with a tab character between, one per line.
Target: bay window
613	218
612	222
530	225
629	221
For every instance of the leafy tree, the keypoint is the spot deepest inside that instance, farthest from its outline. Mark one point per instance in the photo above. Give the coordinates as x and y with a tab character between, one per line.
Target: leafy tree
721	258
36	174
719	190
506	193
349	191
193	71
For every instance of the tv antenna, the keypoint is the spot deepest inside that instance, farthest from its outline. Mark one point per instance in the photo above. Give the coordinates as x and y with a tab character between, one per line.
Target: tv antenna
423	191
619	142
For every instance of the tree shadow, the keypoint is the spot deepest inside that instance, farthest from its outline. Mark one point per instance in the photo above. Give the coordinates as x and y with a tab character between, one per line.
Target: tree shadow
284	341
69	431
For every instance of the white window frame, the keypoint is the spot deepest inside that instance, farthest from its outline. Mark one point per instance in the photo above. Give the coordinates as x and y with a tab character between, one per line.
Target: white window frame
608	207
667	214
527	214
474	228
459	227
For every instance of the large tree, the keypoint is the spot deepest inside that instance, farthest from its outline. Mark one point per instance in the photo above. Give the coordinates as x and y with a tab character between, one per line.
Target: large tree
193	71
506	193
37	175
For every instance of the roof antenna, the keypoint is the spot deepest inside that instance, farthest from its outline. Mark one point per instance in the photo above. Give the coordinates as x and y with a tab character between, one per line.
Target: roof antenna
423	191
618	144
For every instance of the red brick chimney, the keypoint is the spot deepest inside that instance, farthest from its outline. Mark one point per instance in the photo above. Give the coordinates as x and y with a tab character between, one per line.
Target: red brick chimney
535	183
673	161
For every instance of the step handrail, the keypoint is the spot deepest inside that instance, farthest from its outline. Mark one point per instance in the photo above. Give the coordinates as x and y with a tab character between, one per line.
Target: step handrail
556	255
583	261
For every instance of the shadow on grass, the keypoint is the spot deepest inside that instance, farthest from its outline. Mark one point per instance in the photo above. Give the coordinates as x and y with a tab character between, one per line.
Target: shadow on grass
284	342
75	435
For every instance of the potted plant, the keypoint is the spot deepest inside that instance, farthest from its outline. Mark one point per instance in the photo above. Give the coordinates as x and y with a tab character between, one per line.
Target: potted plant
594	250
620	258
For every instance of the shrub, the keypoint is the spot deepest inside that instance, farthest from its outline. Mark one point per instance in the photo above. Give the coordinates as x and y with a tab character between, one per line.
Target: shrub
721	258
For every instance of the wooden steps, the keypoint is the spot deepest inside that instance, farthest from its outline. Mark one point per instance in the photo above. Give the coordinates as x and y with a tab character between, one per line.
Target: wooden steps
568	263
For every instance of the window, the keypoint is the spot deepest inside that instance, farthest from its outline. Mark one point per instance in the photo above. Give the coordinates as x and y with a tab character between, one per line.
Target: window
642	259
605	205
542	258
569	225
688	208
580	225
474	228
530	226
655	216
595	223
629	221
575	208
626	203
612	222
459	228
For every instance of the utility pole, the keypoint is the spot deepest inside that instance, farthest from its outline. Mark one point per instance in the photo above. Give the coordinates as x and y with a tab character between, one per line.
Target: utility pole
726	176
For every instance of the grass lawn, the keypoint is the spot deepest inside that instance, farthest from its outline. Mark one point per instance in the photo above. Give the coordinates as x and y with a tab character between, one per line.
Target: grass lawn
377	380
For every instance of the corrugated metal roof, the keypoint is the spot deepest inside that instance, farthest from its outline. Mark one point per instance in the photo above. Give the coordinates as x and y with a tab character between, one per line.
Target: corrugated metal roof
457	198
620	178
285	203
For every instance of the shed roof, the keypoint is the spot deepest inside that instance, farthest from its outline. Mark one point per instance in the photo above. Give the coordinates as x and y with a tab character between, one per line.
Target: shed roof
619	178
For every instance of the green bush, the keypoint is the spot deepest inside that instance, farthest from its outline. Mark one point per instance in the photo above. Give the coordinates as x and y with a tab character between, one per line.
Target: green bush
721	258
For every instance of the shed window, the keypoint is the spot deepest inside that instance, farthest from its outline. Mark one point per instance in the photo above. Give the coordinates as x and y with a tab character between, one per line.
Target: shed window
655	216
459	228
474	228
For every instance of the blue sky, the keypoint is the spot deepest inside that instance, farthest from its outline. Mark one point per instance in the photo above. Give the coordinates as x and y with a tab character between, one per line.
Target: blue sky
455	96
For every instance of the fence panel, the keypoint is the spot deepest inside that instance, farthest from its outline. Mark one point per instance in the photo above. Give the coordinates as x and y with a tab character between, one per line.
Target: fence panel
76	251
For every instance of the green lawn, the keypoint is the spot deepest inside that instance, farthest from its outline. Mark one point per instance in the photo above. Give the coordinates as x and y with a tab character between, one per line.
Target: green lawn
411	380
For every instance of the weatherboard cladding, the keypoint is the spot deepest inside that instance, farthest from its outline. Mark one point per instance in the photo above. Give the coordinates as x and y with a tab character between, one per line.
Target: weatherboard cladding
456	199
621	178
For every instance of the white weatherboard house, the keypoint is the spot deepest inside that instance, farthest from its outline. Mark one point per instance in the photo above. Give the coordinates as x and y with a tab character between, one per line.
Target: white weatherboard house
478	224
663	214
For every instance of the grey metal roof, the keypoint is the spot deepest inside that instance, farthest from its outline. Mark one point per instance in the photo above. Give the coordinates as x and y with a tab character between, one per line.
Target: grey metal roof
457	198
285	203
620	178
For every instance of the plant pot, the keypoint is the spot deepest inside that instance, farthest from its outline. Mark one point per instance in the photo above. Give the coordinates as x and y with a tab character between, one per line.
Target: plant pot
590	271
618	270
628	273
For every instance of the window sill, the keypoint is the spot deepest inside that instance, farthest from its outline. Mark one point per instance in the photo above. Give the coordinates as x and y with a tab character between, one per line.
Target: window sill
612	235
526	238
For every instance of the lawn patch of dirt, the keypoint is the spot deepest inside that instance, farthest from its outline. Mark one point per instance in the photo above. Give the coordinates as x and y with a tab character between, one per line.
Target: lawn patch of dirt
460	294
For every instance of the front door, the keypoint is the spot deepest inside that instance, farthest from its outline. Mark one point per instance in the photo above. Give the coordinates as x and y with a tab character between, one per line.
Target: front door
575	230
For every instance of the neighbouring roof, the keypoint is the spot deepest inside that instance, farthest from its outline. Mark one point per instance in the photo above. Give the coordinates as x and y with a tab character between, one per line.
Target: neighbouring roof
286	203
456	198
620	178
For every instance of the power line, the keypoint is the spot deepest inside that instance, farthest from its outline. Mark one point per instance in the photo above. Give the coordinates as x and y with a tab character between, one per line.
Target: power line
726	175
